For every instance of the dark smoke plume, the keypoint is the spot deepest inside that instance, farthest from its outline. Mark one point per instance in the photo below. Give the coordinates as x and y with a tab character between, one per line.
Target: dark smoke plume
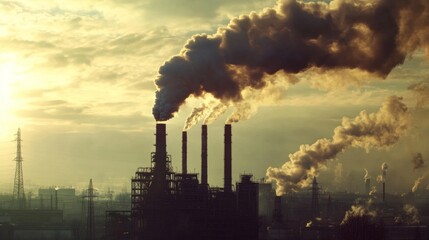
292	37
367	130
418	161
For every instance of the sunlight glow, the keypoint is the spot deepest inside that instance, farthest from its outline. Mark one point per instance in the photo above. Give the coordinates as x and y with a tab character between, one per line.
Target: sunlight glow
9	73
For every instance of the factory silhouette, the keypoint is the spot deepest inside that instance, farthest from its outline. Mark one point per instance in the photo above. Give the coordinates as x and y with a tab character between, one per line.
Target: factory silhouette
164	205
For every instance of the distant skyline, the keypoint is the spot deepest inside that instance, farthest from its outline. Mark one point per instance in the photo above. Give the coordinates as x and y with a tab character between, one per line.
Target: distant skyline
78	79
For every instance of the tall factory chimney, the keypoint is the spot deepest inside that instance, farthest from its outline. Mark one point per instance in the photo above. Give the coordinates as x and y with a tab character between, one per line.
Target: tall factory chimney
384	191
367	185
204	155
159	184
184	152
277	212
228	159
315	198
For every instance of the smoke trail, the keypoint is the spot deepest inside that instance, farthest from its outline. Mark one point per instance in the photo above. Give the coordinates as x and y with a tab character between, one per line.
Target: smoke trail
215	112
418	161
292	37
373	191
418	182
421	89
367	130
366	174
196	115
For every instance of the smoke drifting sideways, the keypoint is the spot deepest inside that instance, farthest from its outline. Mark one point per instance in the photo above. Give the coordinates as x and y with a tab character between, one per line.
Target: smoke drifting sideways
421	89
418	181
290	38
367	130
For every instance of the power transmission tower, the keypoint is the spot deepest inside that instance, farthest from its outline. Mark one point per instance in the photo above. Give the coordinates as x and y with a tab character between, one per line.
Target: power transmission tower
90	224
18	187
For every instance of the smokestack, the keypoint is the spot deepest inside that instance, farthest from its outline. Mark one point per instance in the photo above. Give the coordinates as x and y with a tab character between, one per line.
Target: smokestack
184	152
277	213
228	159
367	185
204	155
159	184
384	191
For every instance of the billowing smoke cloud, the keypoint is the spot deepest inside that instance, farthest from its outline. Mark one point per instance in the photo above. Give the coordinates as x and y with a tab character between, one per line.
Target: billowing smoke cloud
290	38
422	92
418	161
409	216
367	130
360	209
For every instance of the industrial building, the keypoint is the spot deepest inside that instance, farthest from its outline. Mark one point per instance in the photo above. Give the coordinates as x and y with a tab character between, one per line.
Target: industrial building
170	205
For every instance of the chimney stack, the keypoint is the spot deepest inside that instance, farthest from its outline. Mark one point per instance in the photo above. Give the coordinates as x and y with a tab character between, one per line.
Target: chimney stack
184	152
159	184
204	155
384	191
277	213
367	185
228	159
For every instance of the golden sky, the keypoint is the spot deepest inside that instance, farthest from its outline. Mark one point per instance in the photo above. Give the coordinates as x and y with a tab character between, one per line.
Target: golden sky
77	78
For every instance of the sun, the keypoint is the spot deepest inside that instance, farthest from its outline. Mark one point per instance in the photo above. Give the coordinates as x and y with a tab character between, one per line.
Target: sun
9	73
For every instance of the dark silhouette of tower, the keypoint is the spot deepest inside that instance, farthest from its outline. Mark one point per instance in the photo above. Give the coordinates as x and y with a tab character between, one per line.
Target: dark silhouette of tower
90	223
227	159
315	211
277	212
204	155
367	185
18	187
247	208
329	207
184	152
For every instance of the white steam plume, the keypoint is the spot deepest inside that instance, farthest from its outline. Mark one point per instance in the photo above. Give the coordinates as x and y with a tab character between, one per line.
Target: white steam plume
360	209
367	130
418	182
196	115
215	112
366	174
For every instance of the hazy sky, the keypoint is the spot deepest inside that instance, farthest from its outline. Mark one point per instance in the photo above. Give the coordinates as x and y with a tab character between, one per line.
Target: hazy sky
77	78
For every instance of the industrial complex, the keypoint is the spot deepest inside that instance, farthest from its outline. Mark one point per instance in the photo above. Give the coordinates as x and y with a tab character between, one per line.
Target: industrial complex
164	204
